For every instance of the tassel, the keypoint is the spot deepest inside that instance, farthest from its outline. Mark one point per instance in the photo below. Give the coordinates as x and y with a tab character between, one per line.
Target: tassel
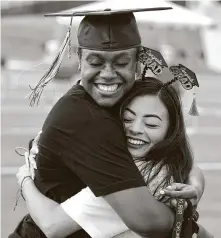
18	195
50	74
193	109
69	42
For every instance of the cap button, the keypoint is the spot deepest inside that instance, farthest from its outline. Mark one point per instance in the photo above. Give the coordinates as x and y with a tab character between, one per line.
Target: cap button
107	9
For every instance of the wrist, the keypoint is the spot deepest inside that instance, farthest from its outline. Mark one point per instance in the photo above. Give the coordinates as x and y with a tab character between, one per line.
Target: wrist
25	180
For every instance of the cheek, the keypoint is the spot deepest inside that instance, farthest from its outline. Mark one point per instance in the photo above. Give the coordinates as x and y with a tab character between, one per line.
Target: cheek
88	72
128	73
156	135
126	127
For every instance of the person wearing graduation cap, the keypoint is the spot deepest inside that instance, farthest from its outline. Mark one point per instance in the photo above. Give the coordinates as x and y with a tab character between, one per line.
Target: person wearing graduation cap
82	141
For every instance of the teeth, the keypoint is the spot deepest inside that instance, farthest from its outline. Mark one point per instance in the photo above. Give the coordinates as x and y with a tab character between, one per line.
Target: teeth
106	88
135	142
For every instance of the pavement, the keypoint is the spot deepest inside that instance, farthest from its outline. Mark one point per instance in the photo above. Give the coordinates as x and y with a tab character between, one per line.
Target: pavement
21	122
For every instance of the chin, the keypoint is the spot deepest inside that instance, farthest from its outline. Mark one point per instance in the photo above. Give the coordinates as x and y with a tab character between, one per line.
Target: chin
107	103
136	154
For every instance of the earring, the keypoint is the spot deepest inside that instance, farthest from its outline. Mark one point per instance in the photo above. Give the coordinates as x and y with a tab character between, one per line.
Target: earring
79	67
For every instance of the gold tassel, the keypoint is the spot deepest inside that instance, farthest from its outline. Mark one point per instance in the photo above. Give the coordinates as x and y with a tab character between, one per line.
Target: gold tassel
193	109
50	74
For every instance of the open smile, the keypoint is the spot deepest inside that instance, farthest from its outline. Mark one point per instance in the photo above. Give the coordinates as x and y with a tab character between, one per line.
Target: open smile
136	143
108	88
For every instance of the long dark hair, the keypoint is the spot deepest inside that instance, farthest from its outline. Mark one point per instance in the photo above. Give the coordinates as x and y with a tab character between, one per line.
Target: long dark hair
174	151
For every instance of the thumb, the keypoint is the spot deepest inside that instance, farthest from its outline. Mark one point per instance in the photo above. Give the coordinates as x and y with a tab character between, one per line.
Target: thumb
36	139
26	154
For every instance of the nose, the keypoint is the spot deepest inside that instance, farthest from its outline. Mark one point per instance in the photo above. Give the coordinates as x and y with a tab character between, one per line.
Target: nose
136	128
108	73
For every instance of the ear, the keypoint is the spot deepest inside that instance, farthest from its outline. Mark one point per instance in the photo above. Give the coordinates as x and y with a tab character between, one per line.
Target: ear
138	70
79	60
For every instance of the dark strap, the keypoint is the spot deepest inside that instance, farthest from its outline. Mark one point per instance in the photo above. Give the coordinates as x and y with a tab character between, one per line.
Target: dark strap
177	229
185	221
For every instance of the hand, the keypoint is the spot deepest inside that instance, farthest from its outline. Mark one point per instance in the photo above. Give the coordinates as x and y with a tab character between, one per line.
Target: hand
34	148
180	190
30	158
23	172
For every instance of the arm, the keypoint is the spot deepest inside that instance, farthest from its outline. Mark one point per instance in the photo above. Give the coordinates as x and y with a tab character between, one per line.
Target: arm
104	164
75	209
141	212
96	151
193	189
46	213
127	234
197	180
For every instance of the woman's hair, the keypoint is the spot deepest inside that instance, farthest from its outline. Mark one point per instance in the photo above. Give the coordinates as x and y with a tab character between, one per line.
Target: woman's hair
174	150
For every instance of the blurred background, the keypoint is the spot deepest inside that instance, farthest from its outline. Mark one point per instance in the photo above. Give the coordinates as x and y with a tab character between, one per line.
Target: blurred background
189	34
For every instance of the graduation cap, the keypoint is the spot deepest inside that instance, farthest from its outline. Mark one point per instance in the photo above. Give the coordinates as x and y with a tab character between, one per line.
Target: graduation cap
104	30
108	29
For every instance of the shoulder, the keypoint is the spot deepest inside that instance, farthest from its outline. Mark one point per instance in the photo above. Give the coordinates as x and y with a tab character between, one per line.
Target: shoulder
71	108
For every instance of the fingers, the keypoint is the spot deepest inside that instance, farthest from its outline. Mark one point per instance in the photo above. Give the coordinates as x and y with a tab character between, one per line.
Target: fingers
36	140
32	161
34	148
22	172
179	190
32	165
176	186
180	194
27	159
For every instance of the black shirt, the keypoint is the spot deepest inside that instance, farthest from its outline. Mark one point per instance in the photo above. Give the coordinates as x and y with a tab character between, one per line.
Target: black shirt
83	145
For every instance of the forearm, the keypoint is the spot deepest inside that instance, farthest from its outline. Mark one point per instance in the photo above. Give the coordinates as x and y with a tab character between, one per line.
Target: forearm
127	234
146	217
197	180
46	213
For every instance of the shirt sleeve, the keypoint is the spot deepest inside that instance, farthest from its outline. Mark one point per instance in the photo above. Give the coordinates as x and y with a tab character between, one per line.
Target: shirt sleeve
98	154
94	215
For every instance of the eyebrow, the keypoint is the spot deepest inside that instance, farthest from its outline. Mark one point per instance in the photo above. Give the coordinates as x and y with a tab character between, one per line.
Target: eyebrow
148	115
94	55
123	54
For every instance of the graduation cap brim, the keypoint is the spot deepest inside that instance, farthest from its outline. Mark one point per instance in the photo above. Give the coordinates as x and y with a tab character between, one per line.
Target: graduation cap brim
105	12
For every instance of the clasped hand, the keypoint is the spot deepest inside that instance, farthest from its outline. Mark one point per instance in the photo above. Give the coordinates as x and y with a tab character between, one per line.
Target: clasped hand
28	169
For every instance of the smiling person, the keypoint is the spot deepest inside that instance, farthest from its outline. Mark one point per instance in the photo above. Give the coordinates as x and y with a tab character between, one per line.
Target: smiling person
83	142
156	139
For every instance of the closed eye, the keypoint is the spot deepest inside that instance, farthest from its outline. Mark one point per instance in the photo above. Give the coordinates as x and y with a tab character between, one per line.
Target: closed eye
151	125
121	64
95	64
127	120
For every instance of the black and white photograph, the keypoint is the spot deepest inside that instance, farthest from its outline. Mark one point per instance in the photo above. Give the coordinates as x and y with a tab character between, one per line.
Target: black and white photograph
110	119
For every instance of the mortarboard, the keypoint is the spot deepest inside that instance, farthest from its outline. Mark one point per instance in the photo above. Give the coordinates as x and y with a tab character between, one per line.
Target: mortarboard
104	30
108	29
